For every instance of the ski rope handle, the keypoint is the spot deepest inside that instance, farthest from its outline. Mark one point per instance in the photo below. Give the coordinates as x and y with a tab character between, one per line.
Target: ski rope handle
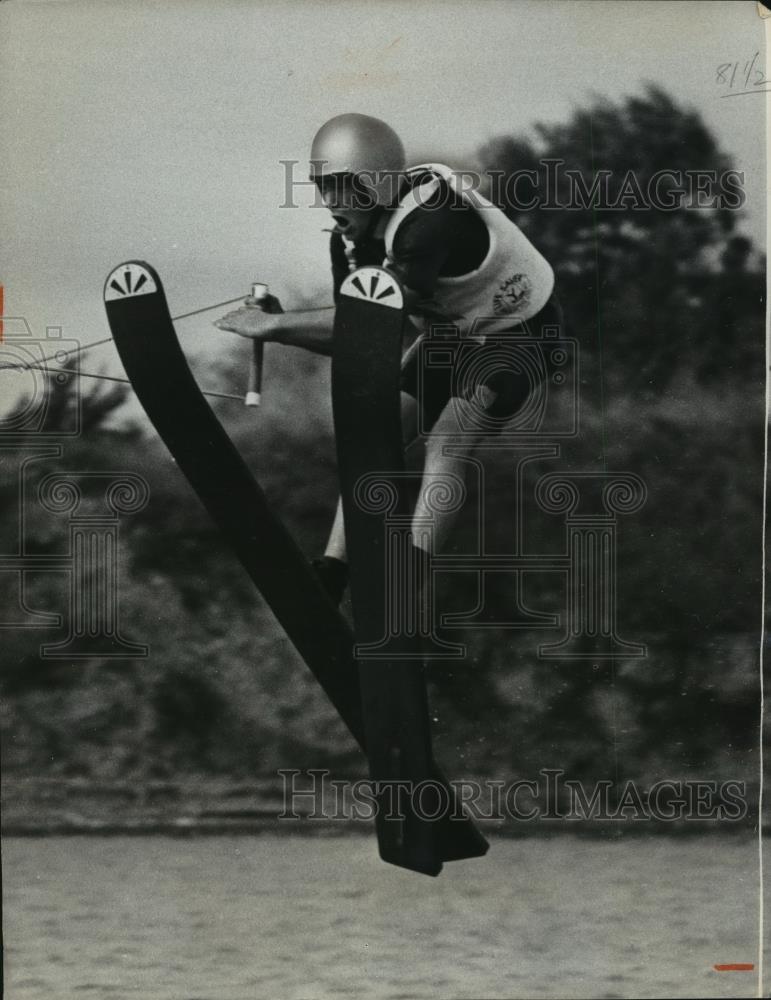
61	356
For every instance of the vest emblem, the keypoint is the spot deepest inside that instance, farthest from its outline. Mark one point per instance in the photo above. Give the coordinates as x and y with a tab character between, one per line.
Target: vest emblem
513	295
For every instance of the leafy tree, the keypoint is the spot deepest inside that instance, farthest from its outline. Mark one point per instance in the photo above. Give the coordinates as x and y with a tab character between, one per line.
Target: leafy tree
640	283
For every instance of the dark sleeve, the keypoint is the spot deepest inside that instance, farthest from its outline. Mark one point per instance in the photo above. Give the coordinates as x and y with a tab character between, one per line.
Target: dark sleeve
339	263
443	236
420	248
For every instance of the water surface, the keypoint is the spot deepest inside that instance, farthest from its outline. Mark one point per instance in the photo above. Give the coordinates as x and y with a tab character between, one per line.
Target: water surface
290	917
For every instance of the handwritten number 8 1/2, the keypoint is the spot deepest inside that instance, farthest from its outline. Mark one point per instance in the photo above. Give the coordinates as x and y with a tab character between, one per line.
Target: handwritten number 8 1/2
750	75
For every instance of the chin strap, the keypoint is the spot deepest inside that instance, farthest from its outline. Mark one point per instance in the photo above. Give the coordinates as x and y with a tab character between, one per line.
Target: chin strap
350	253
375	231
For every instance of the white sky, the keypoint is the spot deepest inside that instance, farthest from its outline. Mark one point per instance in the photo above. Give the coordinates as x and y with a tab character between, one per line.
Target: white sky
154	130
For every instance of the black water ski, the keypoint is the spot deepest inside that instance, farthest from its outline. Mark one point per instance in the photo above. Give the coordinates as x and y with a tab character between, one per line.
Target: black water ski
156	366
369	323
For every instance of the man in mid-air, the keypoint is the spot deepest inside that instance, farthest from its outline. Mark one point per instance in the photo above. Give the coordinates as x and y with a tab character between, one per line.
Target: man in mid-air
462	263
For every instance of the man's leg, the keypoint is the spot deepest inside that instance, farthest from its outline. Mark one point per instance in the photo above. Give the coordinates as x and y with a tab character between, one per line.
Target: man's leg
333	568
336	544
457	427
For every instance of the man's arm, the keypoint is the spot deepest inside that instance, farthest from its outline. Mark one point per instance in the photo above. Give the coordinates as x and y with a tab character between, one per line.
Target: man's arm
310	329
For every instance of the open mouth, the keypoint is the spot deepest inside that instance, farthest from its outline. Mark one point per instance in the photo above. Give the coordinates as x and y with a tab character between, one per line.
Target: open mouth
341	223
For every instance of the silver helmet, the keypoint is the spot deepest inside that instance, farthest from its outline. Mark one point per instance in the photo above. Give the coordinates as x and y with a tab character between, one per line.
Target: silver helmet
360	145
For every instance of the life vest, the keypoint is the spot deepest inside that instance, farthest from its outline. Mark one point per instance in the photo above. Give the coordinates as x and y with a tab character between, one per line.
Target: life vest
512	283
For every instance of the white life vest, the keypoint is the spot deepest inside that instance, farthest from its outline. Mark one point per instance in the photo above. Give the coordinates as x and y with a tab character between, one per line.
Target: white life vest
512	283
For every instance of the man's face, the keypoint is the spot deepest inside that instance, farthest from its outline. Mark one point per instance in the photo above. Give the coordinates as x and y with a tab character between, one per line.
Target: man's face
349	201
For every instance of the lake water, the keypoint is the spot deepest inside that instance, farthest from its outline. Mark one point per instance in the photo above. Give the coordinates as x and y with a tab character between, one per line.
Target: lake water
290	917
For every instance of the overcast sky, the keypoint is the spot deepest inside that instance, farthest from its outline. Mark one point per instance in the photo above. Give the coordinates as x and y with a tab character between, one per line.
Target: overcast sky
155	130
